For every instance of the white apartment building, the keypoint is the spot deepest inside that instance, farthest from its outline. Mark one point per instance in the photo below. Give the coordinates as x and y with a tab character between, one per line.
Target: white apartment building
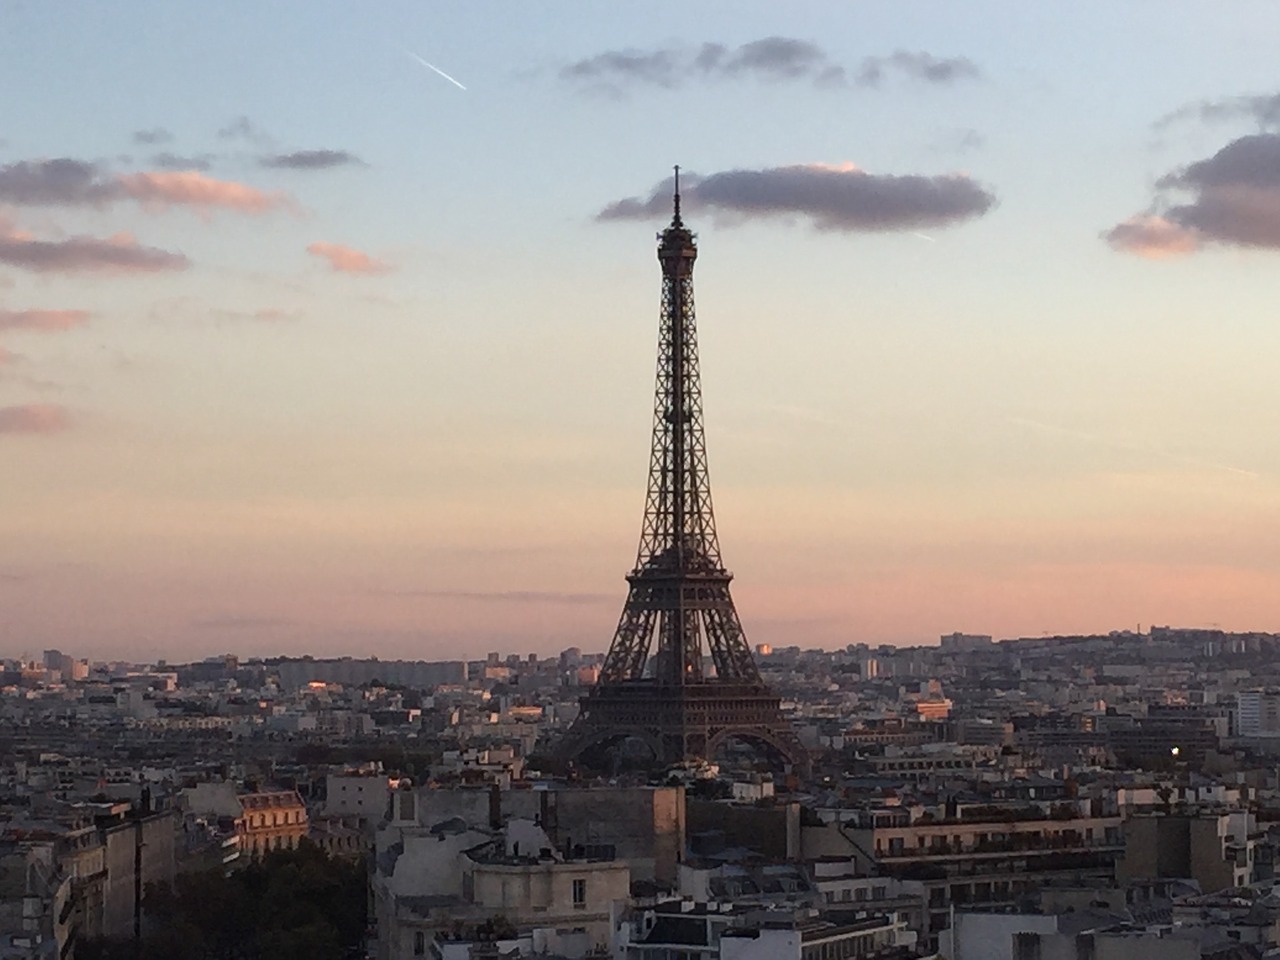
1258	713
363	795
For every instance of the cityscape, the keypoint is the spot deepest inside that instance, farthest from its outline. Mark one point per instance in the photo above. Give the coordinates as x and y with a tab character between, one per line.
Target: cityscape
305	643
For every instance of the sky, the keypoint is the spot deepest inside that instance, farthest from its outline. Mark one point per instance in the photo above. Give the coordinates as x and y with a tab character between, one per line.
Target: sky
329	327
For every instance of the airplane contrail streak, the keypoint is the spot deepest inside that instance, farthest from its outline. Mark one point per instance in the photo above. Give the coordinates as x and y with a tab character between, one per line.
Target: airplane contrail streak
1133	447
434	68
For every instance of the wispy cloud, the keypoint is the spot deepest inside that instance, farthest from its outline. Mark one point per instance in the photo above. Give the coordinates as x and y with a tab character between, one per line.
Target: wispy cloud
37	418
242	128
347	259
1138	448
153	136
1262	109
840	198
274	315
42	320
778	59
916	65
262	315
239	622
1231	198
504	596
174	161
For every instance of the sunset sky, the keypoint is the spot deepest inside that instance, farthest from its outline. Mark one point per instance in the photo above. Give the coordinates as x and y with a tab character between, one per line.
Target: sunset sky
306	347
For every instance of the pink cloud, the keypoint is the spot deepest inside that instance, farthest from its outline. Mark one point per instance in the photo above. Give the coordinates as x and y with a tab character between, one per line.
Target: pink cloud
43	320
192	188
1152	237
346	259
7	357
120	252
34	418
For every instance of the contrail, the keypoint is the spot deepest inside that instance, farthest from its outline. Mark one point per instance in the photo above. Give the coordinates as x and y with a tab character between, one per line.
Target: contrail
1133	447
923	237
434	68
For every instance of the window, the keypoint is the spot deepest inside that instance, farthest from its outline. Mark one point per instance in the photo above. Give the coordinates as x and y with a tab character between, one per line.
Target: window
580	893
419	943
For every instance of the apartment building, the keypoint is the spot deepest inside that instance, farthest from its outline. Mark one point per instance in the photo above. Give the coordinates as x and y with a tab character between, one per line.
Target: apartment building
987	857
272	820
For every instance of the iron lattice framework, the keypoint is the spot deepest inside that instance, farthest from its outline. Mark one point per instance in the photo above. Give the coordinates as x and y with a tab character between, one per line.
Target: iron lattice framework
653	685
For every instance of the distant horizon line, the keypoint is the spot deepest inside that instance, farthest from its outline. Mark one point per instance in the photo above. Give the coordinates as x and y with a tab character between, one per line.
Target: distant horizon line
524	657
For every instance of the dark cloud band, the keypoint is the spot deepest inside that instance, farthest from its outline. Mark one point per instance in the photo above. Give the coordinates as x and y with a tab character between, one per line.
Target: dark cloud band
311	160
831	198
74	254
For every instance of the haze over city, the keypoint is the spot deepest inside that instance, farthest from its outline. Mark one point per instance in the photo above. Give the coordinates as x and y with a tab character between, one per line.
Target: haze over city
330	328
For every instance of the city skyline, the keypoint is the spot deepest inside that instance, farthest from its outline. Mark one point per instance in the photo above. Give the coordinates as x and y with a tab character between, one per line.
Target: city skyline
291	362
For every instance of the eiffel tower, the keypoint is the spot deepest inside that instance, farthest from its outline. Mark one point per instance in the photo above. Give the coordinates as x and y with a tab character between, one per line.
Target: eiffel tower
679	594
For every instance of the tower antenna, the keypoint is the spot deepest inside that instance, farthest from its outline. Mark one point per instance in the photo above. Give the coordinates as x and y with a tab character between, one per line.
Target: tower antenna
676	218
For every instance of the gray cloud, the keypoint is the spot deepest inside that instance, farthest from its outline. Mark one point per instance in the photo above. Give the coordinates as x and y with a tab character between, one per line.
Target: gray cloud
1232	198
1263	109
311	160
771	58
153	136
831	198
918	65
777	58
658	67
172	161
1252	161
120	253
68	182
61	181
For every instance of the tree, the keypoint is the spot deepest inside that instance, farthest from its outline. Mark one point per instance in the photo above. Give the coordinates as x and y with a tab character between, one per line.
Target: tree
292	905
